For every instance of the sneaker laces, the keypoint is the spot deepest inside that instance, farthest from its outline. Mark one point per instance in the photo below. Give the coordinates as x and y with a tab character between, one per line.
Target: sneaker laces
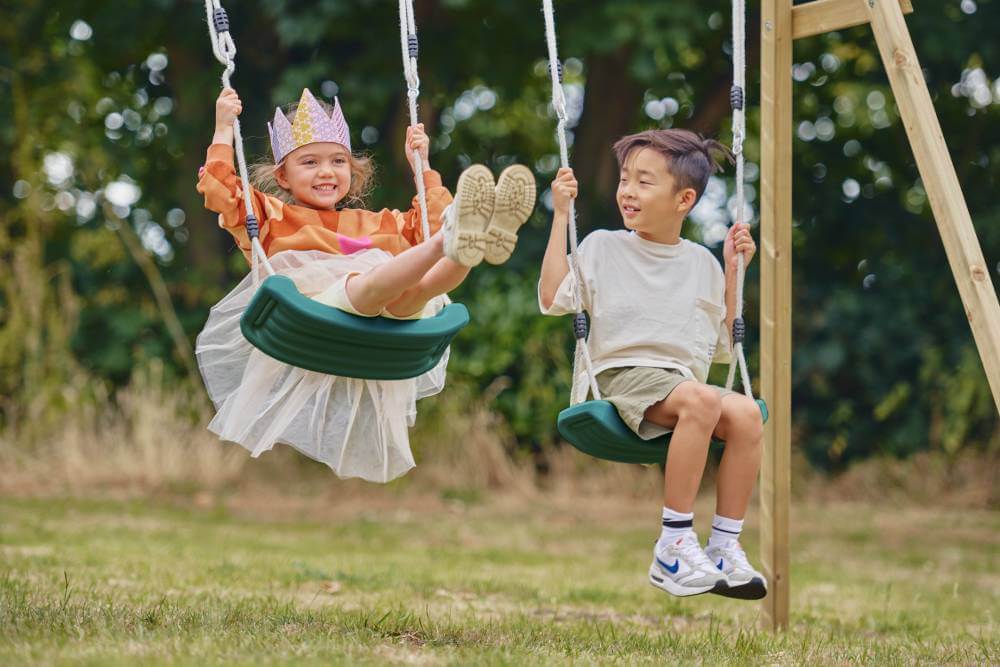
734	553
691	551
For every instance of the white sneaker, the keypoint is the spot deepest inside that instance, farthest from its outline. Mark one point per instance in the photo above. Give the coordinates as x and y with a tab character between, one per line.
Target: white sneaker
745	583
515	201
466	218
682	569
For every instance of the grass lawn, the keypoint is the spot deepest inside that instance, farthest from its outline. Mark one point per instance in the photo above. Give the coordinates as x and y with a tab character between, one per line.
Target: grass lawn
96	582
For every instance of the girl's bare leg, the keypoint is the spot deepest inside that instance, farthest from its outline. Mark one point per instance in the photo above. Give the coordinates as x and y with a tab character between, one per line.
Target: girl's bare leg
372	291
443	277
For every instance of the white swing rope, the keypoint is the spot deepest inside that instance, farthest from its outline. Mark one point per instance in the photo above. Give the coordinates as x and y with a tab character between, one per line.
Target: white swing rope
582	353
738	100
225	52
408	42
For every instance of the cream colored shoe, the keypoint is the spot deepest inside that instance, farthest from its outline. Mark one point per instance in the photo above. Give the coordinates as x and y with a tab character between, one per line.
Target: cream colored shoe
515	201
466	218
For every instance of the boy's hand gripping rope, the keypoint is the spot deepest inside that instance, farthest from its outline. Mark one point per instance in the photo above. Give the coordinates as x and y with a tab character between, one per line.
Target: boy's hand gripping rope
225	52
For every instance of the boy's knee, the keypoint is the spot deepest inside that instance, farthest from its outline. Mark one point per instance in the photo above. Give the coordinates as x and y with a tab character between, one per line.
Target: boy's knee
746	419
700	403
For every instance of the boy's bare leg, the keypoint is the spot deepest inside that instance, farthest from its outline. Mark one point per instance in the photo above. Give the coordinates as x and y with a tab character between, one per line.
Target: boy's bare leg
443	277
692	410
742	429
372	291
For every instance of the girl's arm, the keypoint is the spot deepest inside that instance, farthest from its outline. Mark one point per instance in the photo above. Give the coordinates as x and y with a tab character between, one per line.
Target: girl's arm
555	266
408	223
417	140
218	181
227	108
438	197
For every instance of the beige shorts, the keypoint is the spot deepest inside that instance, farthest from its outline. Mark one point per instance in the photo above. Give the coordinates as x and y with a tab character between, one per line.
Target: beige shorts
336	296
632	389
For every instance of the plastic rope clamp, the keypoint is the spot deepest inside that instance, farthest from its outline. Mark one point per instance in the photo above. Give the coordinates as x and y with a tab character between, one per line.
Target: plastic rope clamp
739	330
580	325
736	98
252	228
221	20
411	45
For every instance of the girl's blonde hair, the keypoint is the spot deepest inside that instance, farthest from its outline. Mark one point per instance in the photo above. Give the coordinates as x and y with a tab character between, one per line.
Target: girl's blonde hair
262	173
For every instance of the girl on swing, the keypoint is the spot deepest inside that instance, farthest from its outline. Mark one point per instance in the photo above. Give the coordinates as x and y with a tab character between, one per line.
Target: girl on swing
368	263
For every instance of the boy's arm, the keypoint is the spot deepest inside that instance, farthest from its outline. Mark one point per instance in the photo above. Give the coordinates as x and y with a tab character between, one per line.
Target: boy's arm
738	241
555	266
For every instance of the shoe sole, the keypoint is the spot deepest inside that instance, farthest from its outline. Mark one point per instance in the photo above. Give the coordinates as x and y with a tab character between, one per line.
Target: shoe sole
475	193
515	202
755	589
666	584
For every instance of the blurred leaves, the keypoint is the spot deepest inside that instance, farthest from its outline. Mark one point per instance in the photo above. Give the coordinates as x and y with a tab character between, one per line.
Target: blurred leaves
111	104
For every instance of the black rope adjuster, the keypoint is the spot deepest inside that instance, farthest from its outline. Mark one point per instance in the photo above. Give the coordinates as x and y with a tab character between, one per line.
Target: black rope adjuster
739	330
252	227
221	20
411	44
580	325
736	98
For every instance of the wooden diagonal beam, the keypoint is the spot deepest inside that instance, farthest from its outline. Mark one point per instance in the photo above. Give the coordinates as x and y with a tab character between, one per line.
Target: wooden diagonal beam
965	256
822	16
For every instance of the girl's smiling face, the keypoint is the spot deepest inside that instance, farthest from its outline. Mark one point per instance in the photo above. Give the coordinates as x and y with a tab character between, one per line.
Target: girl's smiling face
317	175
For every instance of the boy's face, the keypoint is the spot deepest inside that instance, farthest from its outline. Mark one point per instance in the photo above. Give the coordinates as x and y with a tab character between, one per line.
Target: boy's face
648	198
317	175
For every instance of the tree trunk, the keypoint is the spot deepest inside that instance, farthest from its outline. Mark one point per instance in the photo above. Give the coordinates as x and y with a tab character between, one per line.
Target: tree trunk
609	111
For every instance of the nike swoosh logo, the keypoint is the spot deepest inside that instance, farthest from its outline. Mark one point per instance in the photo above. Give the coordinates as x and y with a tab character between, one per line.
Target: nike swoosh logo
672	569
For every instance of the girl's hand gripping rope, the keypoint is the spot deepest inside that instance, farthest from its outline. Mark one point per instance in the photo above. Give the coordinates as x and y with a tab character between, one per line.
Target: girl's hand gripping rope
227	108
417	140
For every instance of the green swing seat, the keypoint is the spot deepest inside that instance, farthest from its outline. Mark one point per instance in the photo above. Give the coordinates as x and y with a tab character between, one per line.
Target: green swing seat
290	327
595	428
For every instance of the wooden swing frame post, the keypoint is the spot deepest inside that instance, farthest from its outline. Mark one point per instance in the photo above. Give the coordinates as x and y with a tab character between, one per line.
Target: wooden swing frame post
781	24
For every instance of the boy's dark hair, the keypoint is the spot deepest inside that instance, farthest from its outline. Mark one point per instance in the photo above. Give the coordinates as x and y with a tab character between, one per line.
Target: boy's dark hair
691	158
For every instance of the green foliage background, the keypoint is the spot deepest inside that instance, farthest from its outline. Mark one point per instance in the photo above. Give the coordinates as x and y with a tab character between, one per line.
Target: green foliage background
109	261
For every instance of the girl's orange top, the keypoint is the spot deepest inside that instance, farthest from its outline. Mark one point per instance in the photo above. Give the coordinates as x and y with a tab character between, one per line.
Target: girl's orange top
292	227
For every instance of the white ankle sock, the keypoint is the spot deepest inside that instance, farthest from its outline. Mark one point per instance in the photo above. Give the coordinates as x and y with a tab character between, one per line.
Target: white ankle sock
675	524
724	531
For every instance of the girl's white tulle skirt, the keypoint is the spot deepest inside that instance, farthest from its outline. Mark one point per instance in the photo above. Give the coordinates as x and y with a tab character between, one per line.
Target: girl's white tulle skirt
357	427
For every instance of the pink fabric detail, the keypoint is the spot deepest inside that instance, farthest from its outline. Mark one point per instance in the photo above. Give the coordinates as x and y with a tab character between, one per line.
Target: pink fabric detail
350	245
201	171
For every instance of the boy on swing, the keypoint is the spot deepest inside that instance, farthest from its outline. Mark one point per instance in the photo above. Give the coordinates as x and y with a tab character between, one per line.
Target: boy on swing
661	309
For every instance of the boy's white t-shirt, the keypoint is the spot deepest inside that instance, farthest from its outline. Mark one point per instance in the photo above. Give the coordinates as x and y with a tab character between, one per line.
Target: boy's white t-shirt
650	304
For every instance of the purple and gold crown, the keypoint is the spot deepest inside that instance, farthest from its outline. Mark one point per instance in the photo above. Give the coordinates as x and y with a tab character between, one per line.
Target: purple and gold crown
312	124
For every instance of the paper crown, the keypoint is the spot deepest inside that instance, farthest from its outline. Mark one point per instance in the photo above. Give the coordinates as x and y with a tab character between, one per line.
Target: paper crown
312	124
